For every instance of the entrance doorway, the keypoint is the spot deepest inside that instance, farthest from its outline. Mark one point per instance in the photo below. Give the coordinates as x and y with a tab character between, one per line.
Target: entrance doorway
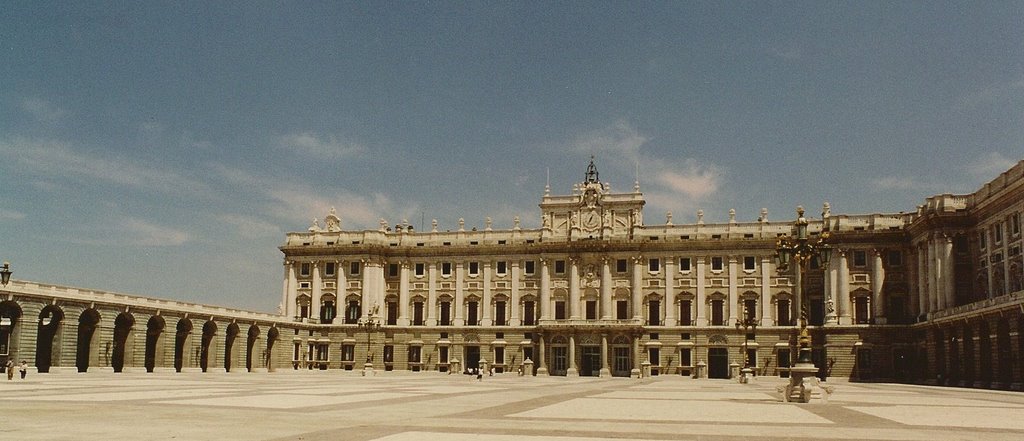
718	363
590	364
559	360
472	357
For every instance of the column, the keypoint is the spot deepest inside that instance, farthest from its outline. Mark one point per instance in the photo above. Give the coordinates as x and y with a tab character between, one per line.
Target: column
937	294
514	301
573	371
542	363
341	291
637	303
733	294
545	295
843	285
670	292
459	300
314	306
831	294
766	291
293	293
877	283
922	280
606	289
403	293
947	275
605	369
431	306
286	289
702	298
574	289
635	372
485	307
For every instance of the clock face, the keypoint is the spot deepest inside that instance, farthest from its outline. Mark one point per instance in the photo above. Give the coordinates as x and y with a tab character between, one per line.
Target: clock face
591	219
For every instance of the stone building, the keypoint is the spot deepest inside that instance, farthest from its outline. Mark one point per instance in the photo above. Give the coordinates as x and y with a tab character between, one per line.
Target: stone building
930	296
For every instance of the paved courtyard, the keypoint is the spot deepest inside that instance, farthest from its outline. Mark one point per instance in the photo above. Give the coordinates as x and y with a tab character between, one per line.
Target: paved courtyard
423	406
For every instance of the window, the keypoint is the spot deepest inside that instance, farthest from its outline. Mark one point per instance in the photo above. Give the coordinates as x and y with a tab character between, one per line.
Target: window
471	314
591	309
420	269
560	310
860	258
654	265
414	354
442	355
717	313
895	258
474	268
559	267
685	357
620	265
749	309
530	268
417	313
499	355
392	270
716	264
348	352
330	268
684	264
981	239
392	313
749	263
1015	224
621	310
353	268
446	269
304	269
685	313
389	354
352	312
528	313
654	356
446	313
499	313
997	233
502	267
654	313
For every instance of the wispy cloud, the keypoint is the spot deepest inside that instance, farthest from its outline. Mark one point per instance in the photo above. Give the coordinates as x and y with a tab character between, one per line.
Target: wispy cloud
329	147
45	156
8	214
900	183
989	166
143	233
42	110
991	93
619	139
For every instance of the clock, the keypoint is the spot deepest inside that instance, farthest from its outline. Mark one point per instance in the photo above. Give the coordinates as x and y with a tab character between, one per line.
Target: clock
591	219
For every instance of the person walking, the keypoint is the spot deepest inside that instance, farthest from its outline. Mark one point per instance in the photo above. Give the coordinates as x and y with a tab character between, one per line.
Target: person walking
23	369
10	369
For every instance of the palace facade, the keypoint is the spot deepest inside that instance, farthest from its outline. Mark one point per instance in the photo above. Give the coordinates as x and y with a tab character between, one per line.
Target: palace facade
933	296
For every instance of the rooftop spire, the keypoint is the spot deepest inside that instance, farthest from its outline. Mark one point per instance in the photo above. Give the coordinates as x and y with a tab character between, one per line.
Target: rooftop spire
592	175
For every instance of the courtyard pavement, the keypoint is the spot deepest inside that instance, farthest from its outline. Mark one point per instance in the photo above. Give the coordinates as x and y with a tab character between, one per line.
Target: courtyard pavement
392	406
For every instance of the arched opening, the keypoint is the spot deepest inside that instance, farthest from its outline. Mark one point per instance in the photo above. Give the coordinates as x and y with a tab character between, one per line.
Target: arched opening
250	342
154	328
49	325
87	323
10	312
123	324
622	362
183	329
328	309
209	331
229	344
272	336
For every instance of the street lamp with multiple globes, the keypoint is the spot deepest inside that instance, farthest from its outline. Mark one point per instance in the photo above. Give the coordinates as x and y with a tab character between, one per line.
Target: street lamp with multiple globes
370	325
5	274
748	322
799	249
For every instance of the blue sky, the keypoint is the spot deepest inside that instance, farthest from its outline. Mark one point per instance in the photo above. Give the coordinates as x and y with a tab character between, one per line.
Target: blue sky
164	149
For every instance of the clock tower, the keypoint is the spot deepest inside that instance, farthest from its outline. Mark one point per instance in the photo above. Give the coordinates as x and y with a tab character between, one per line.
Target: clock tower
592	211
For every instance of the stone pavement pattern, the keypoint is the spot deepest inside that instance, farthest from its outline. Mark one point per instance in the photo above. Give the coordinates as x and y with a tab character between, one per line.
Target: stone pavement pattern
425	406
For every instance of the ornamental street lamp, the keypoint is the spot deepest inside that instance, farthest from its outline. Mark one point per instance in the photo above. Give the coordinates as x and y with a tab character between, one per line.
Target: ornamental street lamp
370	325
799	249
747	323
5	274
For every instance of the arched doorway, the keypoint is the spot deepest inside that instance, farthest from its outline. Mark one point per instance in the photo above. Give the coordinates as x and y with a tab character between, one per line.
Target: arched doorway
622	360
272	336
49	325
154	329
87	323
123	324
229	343
250	342
184	328
209	331
718	356
10	312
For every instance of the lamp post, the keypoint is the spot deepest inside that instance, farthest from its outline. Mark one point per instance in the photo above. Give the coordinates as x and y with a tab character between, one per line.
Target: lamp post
748	322
370	325
5	274
799	249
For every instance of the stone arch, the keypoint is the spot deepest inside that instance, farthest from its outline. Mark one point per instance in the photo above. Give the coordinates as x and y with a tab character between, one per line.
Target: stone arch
181	337
229	343
250	342
123	324
209	332
10	312
272	336
154	329
88	321
50	319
